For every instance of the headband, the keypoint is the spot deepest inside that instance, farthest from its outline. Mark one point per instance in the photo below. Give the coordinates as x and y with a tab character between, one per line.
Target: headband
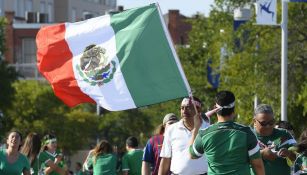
187	101
49	141
231	105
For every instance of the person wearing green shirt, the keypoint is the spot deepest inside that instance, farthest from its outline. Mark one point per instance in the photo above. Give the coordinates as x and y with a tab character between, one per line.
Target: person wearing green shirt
50	160
274	142
11	161
79	169
31	149
132	160
102	160
300	164
230	148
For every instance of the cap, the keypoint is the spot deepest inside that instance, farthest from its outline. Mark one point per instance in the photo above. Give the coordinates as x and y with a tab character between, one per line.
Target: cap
169	117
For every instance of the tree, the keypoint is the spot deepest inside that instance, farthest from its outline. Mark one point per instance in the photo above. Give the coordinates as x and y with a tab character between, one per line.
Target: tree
36	109
7	76
254	68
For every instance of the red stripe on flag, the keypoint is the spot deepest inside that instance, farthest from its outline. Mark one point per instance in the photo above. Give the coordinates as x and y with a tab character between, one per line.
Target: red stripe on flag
54	61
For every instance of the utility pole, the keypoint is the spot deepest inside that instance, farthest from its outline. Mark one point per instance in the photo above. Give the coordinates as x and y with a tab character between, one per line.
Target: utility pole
284	60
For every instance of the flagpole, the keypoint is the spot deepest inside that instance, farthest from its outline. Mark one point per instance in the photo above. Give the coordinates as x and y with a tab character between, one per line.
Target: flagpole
174	51
284	60
175	55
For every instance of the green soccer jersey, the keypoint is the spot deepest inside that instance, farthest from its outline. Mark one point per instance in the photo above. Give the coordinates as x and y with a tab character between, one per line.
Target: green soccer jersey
103	164
16	168
132	162
280	138
44	157
300	165
228	147
35	167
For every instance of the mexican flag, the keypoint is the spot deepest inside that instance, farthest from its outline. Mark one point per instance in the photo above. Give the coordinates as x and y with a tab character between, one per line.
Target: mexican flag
120	61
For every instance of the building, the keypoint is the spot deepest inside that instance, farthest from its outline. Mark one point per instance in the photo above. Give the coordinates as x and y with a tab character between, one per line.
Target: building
178	27
25	9
25	18
76	10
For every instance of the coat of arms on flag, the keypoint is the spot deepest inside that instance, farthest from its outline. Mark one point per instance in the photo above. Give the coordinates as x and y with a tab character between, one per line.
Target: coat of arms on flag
94	67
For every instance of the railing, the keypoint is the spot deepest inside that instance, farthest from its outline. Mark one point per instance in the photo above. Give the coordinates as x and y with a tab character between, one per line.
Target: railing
28	71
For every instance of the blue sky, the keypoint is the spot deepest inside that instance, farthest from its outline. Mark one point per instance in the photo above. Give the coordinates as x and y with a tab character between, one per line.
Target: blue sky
186	7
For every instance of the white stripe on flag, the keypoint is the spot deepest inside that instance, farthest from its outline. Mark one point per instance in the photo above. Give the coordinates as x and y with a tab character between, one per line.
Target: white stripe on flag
113	95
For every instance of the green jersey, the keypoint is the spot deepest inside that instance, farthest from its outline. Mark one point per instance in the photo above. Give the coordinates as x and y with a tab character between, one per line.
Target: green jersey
103	164
132	162
280	138
300	164
228	146
44	157
35	167
16	168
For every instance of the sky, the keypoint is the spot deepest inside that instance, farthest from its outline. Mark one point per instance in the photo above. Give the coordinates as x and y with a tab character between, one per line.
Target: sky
186	7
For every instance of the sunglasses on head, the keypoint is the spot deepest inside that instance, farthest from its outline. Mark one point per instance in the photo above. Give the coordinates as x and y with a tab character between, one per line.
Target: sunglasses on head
265	123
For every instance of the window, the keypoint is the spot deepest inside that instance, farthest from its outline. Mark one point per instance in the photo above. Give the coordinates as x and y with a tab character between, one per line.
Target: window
28	51
50	12
1	8
110	3
42	7
20	8
73	15
29	5
26	59
102	2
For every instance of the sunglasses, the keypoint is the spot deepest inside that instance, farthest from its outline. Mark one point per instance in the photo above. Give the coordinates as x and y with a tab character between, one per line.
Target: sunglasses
265	123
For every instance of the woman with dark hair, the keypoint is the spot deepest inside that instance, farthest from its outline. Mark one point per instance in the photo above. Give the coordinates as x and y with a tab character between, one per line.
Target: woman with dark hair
50	161
102	160
300	164
31	149
12	162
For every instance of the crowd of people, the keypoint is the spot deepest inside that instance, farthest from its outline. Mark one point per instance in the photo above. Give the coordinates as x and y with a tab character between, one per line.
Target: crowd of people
187	146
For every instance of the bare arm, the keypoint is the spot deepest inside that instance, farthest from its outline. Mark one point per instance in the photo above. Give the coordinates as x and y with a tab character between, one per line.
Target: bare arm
258	167
286	153
54	167
125	172
164	166
145	168
267	154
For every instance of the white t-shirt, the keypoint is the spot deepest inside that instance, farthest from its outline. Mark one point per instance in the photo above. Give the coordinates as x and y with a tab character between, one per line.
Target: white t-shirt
176	147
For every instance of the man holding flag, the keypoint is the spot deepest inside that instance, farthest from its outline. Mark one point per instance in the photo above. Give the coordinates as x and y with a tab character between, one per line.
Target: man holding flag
175	150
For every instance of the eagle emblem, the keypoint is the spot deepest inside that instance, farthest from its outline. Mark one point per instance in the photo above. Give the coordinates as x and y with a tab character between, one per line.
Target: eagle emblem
94	67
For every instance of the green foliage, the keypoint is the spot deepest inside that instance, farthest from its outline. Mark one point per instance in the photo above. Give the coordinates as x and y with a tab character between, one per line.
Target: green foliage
2	36
118	126
7	76
36	109
254	68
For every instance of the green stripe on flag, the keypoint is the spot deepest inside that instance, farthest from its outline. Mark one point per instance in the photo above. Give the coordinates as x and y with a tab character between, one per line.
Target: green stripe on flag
145	57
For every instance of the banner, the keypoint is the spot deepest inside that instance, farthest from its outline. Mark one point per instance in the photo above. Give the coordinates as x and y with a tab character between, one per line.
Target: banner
120	61
266	12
